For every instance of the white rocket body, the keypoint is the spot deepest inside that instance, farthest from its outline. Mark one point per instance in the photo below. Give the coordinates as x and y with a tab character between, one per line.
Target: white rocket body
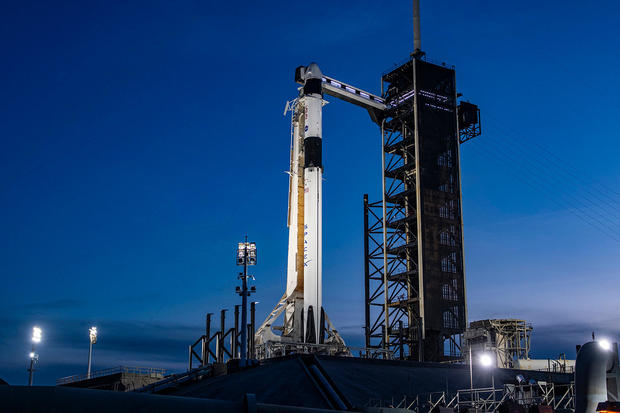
313	223
302	303
306	174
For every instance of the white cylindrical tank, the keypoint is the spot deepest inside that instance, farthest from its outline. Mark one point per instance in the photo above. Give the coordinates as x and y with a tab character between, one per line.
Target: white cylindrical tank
593	361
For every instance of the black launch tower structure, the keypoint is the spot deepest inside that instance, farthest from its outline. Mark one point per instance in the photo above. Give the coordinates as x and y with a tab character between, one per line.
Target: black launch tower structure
413	246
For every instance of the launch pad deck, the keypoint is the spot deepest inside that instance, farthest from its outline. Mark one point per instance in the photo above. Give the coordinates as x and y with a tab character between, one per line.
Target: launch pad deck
301	380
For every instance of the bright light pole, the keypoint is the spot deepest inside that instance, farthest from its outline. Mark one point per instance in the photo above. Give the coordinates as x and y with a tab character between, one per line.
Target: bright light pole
246	255
92	333
34	357
486	360
471	371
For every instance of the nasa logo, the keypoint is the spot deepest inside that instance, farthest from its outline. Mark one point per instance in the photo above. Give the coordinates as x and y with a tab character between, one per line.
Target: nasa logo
306	128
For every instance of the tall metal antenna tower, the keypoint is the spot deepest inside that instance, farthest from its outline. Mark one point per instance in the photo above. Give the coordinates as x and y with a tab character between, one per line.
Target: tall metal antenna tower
417	38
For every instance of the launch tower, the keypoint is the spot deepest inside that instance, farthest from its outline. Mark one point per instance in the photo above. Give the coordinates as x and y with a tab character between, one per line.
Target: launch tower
414	269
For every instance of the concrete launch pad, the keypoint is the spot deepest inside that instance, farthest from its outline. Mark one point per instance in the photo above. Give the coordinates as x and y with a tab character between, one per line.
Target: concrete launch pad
335	382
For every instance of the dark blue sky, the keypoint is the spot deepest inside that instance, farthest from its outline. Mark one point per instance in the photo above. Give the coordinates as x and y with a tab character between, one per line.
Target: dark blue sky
142	140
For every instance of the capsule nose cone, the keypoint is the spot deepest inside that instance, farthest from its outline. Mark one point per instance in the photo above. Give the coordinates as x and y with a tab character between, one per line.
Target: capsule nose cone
313	71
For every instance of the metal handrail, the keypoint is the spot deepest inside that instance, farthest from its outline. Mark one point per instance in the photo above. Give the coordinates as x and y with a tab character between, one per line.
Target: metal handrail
488	399
175	379
483	399
114	370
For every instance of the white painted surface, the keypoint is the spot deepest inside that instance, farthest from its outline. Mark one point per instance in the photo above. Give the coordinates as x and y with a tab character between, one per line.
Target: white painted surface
314	115
313	244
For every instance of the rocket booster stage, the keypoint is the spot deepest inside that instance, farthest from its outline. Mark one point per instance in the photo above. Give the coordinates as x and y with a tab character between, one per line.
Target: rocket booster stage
302	303
312	97
304	275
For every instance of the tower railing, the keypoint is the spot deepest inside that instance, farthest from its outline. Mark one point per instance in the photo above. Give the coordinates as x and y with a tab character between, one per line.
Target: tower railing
487	399
144	371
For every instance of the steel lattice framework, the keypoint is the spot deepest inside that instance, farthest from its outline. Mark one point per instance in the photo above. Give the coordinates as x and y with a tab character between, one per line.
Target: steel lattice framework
414	272
509	339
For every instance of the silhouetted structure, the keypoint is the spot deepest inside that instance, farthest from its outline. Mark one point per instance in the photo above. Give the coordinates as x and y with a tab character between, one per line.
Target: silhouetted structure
414	271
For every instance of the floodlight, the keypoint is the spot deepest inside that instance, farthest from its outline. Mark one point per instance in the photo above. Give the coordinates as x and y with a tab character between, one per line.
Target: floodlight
246	253
605	344
36	334
31	355
92	332
251	248
486	360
